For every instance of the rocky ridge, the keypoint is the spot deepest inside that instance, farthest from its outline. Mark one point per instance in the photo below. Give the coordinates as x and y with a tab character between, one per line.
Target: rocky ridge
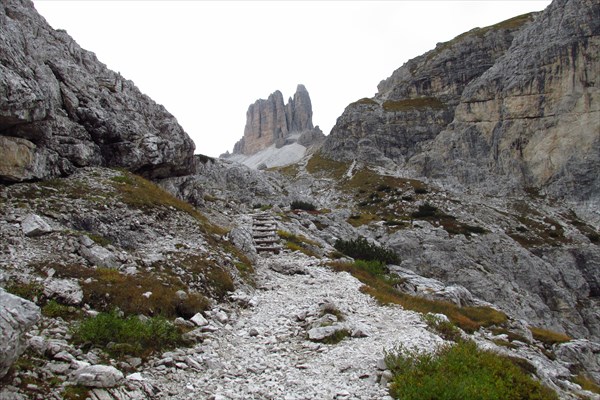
517	101
62	109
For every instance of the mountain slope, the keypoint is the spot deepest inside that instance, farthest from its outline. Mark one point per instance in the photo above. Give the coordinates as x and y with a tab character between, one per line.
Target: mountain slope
509	107
61	109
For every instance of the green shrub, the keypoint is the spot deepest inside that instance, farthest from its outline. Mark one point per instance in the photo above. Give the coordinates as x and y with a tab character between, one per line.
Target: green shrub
130	335
442	327
361	249
425	211
302	205
52	309
373	267
460	372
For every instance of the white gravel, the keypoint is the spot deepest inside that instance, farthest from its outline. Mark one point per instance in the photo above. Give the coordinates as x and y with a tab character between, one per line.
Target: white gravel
279	362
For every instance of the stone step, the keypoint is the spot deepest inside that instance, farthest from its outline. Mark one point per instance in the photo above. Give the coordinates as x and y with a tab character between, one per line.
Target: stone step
262	241
264	229
273	249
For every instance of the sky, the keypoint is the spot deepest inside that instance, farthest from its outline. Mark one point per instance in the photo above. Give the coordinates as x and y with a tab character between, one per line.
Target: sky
207	61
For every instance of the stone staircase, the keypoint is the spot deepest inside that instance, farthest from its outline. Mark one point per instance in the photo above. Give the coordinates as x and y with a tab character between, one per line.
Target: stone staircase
264	233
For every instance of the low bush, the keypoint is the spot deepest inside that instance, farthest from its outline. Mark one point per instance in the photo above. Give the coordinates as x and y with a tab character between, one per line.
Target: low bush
460	372
302	205
442	327
53	309
362	249
425	211
131	335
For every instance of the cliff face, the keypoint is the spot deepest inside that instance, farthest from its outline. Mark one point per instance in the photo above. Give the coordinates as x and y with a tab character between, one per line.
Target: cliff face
503	108
418	101
533	118
60	108
271	121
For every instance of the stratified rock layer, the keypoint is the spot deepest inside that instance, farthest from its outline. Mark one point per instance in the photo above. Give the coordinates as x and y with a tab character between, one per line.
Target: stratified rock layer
509	107
270	122
533	118
60	108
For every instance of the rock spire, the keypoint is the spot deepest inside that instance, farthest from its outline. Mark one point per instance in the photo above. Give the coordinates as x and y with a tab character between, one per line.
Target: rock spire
271	121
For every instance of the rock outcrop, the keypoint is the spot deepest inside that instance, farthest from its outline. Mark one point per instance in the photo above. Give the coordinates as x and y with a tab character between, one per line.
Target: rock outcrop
533	119
271	122
60	108
418	101
17	316
517	101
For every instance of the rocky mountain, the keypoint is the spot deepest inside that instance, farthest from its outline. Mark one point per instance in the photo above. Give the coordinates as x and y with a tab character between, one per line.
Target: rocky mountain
516	101
304	281
62	109
277	134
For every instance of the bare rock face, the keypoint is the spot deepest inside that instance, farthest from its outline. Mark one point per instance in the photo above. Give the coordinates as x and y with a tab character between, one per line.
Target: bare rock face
509	107
271	122
17	316
533	118
60	108
418	101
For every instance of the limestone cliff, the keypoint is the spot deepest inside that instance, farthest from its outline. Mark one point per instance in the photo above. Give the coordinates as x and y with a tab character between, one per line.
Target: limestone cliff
533	119
60	108
504	108
270	121
418	101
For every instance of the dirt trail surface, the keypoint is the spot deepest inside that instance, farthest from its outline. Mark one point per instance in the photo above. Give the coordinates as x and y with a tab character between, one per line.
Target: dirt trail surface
262	351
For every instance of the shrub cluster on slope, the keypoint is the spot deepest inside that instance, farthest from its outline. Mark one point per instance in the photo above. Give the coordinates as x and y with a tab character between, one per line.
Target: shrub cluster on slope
461	372
362	249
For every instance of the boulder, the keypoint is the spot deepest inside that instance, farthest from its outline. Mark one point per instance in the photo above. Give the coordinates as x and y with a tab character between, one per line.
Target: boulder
34	225
581	354
17	316
67	291
100	376
61	108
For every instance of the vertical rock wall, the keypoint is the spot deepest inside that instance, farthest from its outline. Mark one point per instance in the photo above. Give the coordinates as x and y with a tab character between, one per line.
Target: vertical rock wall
271	121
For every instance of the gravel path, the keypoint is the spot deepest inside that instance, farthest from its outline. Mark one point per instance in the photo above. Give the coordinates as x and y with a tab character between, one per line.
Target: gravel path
262	352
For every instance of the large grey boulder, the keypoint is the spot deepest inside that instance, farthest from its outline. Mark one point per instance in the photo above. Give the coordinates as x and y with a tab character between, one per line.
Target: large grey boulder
61	108
34	225
101	376
17	316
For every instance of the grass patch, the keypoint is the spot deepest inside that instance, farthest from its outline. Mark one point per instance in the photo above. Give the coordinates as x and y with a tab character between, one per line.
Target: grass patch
32	291
418	103
587	384
131	335
361	219
365	101
442	327
319	165
460	372
548	337
299	243
468	319
53	309
76	392
362	249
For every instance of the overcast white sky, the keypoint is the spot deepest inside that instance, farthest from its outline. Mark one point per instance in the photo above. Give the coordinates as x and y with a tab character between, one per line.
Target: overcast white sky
207	61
